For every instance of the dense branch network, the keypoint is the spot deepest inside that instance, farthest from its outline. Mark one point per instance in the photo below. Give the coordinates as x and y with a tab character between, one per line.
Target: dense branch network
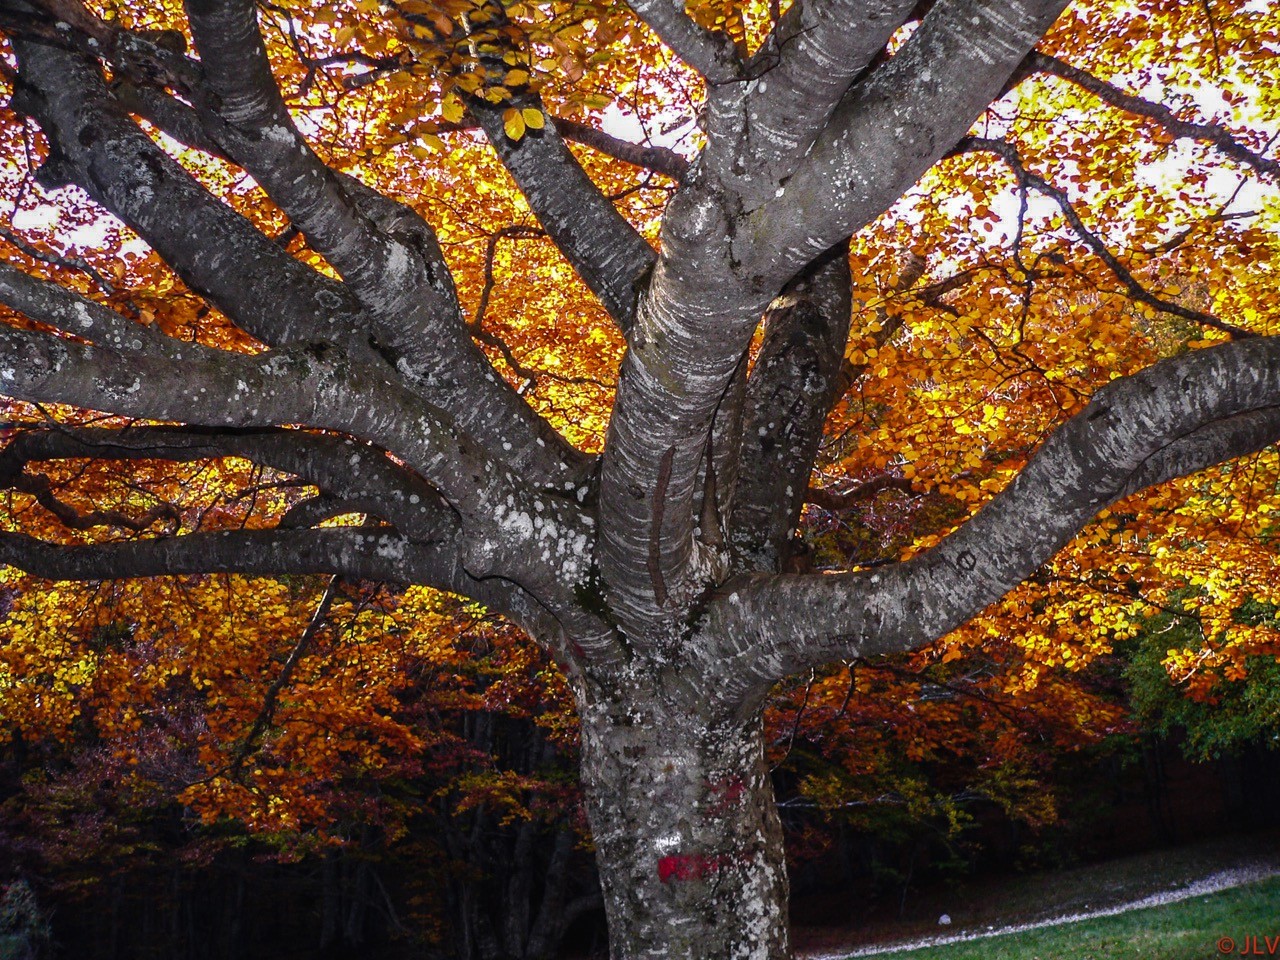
372	389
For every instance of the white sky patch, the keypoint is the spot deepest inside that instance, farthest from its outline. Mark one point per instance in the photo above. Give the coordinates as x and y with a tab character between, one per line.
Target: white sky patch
670	128
40	219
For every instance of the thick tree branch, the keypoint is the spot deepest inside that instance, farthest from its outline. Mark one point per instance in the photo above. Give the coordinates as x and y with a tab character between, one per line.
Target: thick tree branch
350	552
254	281
1178	416
817	50
792	387
605	251
712	54
555	170
695	326
343	469
154	56
387	254
723	462
890	128
169	114
96	145
383	250
509	530
692	331
71	313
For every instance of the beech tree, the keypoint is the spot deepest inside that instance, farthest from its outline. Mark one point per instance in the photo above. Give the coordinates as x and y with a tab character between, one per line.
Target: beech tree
322	336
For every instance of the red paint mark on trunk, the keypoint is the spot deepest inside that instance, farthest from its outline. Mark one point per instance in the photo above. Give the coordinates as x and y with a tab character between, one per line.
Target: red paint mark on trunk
725	794
693	866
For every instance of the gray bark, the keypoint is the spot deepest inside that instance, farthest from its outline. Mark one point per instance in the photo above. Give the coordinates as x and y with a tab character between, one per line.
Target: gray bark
792	387
687	834
603	248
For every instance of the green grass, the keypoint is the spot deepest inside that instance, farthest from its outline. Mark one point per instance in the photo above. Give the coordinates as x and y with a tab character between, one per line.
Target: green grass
1189	930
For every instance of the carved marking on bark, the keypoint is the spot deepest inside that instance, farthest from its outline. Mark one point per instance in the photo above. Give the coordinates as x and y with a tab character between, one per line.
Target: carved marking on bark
709	518
655	527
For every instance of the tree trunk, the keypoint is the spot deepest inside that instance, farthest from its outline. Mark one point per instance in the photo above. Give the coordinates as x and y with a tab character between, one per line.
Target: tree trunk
687	835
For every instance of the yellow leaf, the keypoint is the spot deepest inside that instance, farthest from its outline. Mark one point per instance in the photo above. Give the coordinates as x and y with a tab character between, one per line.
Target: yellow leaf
451	109
533	118
513	123
516	78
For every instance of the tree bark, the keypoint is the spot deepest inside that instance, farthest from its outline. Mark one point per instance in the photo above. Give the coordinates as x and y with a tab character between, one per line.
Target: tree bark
687	835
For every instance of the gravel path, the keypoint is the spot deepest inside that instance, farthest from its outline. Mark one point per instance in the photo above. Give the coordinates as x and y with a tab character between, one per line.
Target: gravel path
1222	880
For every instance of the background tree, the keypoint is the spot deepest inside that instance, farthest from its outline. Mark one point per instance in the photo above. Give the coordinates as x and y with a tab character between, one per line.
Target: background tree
408	771
287	312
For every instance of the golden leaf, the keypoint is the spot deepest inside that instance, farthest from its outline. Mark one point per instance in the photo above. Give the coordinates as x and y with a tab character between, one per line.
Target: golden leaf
451	109
513	123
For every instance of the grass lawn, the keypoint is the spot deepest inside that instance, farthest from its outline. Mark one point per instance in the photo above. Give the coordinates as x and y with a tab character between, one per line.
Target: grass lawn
1189	930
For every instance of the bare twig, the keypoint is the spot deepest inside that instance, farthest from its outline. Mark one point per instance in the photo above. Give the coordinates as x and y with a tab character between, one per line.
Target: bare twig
1213	133
59	260
837	500
38	486
1136	291
269	702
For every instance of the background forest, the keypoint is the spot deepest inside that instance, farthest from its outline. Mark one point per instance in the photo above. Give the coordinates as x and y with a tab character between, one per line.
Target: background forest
200	767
